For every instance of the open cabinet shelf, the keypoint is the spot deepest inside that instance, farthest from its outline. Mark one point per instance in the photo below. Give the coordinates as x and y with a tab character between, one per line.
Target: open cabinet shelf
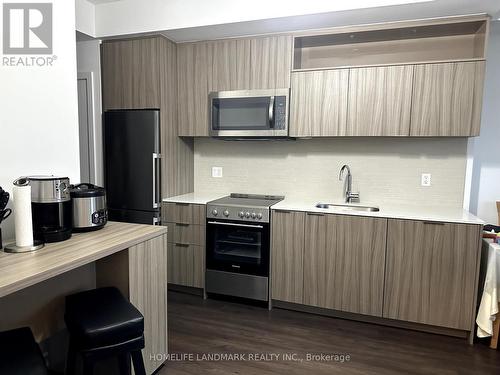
455	41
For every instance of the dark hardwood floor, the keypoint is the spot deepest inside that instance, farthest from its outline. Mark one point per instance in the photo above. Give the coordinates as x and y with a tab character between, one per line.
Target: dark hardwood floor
198	327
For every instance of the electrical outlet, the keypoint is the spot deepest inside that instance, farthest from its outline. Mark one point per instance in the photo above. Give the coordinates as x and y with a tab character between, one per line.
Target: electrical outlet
217	172
426	179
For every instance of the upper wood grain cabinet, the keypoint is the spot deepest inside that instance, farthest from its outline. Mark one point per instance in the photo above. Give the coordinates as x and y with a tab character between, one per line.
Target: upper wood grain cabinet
380	101
318	103
271	62
287	256
344	262
431	272
130	74
192	79
447	99
229	65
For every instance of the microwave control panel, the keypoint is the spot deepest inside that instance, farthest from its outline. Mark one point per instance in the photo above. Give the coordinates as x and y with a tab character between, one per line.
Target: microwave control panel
280	112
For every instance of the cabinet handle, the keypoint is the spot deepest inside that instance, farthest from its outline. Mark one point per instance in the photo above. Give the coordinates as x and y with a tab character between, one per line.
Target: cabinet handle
181	204
315	214
181	244
434	223
283	211
181	224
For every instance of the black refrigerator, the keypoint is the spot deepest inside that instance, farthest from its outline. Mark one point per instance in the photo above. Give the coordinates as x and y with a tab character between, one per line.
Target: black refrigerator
132	165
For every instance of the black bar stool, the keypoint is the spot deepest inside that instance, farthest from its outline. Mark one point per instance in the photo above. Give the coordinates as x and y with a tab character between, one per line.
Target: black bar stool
20	354
103	324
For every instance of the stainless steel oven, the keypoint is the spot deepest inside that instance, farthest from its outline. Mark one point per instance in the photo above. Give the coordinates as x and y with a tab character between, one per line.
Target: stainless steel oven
238	246
249	113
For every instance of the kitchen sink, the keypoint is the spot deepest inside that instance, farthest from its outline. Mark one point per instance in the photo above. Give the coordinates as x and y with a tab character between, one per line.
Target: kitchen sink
347	207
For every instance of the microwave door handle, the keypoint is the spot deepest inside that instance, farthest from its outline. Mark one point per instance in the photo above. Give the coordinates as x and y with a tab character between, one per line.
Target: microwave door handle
271	112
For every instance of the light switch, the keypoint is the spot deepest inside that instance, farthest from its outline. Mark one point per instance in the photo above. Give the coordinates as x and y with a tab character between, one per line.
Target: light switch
426	179
216	171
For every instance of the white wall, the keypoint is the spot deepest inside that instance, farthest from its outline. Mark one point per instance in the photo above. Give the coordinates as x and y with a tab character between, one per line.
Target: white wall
89	61
485	183
85	17
38	111
386	171
242	17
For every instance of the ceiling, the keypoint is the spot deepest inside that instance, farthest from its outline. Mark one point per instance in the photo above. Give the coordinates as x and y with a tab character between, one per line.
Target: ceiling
189	20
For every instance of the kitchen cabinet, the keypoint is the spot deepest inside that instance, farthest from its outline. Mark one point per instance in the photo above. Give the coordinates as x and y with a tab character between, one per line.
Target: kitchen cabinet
287	256
192	80
431	272
344	263
270	62
142	73
318	103
379	101
186	243
447	99
229	65
130	74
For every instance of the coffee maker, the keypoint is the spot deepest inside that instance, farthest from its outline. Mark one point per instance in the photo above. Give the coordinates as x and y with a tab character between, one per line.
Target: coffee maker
51	208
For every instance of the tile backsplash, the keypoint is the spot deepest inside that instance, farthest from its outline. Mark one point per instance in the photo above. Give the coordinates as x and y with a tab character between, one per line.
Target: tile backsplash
386	171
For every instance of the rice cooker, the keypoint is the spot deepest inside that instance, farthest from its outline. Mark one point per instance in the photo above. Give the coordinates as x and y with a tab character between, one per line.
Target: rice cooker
89	207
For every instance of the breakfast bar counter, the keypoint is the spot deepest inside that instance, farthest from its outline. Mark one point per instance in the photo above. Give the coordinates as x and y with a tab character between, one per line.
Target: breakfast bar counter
131	257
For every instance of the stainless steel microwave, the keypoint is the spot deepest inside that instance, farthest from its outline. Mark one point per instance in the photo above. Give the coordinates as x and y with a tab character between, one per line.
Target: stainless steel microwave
249	113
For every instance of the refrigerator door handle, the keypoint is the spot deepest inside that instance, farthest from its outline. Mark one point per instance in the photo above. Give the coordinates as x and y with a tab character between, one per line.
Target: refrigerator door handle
156	158
156	221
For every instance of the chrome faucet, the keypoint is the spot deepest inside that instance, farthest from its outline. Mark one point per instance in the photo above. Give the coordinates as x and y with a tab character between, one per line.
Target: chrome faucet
349	195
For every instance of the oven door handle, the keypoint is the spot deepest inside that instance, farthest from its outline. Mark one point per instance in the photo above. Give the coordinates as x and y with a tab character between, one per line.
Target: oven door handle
236	225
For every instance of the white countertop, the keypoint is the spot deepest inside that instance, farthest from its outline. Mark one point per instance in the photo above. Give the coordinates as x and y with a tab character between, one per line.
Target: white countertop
194	198
443	214
429	213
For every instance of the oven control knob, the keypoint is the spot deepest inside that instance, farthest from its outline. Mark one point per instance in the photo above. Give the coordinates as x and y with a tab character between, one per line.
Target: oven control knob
214	212
259	216
241	214
247	214
254	215
226	213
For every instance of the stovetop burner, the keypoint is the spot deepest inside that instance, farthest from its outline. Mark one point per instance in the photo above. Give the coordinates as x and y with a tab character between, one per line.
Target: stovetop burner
242	207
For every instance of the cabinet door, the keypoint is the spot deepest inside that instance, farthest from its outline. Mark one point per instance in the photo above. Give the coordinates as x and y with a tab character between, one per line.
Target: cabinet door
229	61
271	62
148	292
344	261
447	99
319	103
380	101
192	80
130	73
180	264
430	272
287	256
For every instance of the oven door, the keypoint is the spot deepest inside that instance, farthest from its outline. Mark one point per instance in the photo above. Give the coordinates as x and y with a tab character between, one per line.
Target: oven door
249	113
238	247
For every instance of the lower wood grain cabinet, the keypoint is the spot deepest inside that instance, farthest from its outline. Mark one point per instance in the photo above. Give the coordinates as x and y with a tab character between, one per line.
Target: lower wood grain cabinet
431	272
186	243
287	274
344	261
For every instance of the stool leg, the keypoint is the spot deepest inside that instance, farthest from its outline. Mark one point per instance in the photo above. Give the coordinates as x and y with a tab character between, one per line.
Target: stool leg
71	359
88	366
138	362
124	364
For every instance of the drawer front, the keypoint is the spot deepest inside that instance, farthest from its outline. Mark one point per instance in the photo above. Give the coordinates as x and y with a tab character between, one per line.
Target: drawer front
184	213
187	234
186	265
